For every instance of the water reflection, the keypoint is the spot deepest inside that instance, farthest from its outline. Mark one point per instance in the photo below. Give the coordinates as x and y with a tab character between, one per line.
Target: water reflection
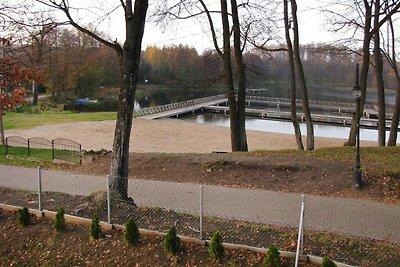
285	127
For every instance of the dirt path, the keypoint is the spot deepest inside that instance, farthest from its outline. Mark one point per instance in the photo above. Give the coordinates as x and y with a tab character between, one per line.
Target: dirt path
170	136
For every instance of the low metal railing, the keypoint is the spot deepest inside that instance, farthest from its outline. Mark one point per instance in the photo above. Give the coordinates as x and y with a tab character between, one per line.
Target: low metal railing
168	107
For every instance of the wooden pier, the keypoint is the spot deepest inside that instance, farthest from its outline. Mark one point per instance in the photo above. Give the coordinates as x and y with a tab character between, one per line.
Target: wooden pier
341	113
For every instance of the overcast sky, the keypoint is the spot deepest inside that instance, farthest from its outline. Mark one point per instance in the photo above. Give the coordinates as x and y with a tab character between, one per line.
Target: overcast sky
311	25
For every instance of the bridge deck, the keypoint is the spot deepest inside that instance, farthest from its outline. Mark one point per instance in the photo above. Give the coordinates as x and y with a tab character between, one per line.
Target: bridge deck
183	110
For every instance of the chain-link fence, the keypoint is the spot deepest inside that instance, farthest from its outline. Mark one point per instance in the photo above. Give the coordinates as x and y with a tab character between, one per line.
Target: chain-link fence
250	217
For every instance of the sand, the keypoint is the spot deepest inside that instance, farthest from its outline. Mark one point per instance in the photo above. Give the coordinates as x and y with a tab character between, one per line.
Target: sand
167	135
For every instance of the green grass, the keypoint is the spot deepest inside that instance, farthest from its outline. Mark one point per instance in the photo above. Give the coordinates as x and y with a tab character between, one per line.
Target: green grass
14	120
37	154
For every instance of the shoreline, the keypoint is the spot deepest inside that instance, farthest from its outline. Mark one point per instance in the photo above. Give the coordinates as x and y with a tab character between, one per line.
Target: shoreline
168	136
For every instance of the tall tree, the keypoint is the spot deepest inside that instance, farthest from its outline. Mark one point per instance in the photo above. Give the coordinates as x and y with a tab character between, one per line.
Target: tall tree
391	57
129	57
292	81
378	65
364	9
302	79
188	9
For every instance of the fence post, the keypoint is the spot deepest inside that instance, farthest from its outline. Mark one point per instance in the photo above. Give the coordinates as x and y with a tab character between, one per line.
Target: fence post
39	173
201	213
29	149
299	250
52	148
108	200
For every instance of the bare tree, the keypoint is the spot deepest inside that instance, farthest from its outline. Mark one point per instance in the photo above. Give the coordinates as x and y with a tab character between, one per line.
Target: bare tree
358	16
378	65
302	79
391	57
292	82
186	9
129	57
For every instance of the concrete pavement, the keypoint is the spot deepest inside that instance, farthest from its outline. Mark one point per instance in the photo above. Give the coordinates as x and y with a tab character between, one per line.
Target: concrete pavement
340	215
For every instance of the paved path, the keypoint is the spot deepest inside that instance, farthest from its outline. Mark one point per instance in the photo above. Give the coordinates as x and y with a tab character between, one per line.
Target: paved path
347	216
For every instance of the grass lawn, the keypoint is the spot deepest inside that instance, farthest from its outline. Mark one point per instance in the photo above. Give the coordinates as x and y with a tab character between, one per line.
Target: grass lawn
14	120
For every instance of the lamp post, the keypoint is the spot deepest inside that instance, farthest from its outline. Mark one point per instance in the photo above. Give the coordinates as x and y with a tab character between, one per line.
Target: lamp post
357	96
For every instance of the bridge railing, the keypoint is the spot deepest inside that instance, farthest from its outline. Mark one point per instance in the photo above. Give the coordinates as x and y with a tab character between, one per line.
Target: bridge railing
311	102
168	107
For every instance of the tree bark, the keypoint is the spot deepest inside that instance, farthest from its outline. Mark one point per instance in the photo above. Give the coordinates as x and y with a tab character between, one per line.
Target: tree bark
292	82
129	60
391	56
395	119
228	77
2	137
241	101
379	79
303	84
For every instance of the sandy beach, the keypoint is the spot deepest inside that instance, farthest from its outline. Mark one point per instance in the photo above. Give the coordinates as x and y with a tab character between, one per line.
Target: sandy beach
167	135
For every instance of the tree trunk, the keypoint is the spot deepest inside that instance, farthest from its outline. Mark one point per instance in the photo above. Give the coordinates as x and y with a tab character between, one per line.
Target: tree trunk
303	85
228	77
395	119
351	141
35	92
293	112
2	137
241	101
379	80
129	61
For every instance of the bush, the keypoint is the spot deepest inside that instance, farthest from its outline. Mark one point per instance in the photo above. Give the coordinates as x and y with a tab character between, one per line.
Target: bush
216	250
24	217
327	262
95	229
59	221
172	242
273	258
131	235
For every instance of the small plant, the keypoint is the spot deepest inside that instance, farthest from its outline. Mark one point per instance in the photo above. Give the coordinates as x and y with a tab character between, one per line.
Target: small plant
131	235
327	262
216	249
95	229
172	242
24	217
273	258
59	221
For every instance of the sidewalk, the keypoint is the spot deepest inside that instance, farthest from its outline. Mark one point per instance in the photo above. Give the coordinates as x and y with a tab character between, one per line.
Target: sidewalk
340	215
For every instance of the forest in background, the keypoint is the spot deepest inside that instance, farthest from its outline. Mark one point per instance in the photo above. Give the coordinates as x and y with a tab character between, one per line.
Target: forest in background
75	65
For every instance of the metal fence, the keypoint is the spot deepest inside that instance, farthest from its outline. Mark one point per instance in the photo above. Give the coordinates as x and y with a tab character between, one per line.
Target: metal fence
250	217
43	149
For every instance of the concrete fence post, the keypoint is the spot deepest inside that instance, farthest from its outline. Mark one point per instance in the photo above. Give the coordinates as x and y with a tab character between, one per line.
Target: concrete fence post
39	175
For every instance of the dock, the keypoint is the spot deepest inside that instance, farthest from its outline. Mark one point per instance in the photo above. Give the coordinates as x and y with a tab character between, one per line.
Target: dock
341	113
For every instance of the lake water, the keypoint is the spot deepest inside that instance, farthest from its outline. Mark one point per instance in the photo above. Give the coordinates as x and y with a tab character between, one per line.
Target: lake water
285	127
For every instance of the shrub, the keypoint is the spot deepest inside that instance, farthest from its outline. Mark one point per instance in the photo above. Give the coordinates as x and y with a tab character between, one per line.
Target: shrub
131	235
172	242
59	221
95	229
273	258
24	217
327	262
216	250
